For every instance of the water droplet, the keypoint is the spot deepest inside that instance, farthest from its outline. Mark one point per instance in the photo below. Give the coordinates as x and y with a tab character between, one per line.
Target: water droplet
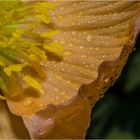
62	8
61	24
59	77
101	95
81	71
67	53
92	65
41	105
63	93
42	63
89	21
40	131
27	102
72	23
87	66
80	15
73	33
76	85
134	49
106	79
89	37
42	92
49	79
96	49
62	70
74	5
63	42
84	63
83	56
70	45
56	97
56	89
60	17
81	47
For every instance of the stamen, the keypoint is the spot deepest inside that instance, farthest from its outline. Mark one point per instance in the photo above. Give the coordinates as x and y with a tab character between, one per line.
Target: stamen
33	82
19	48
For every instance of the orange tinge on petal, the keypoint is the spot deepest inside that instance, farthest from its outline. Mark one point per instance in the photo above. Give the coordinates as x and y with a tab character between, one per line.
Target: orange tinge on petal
90	43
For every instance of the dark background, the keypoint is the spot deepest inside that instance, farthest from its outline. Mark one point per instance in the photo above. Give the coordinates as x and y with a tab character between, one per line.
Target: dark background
117	114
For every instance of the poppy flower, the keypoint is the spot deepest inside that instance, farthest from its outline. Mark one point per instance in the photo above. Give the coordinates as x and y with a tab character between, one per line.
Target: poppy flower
57	59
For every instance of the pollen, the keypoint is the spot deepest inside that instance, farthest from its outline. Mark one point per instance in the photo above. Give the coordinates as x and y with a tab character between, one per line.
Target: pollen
22	49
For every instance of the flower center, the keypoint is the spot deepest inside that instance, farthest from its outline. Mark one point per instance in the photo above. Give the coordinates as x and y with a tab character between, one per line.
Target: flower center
23	46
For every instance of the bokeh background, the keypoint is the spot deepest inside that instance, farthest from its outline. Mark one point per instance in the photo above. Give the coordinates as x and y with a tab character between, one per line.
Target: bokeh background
117	114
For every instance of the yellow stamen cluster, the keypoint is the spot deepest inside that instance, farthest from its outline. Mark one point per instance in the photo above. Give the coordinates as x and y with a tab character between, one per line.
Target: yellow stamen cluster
22	50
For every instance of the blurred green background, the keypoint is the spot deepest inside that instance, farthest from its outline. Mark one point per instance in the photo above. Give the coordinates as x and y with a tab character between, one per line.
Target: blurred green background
117	114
